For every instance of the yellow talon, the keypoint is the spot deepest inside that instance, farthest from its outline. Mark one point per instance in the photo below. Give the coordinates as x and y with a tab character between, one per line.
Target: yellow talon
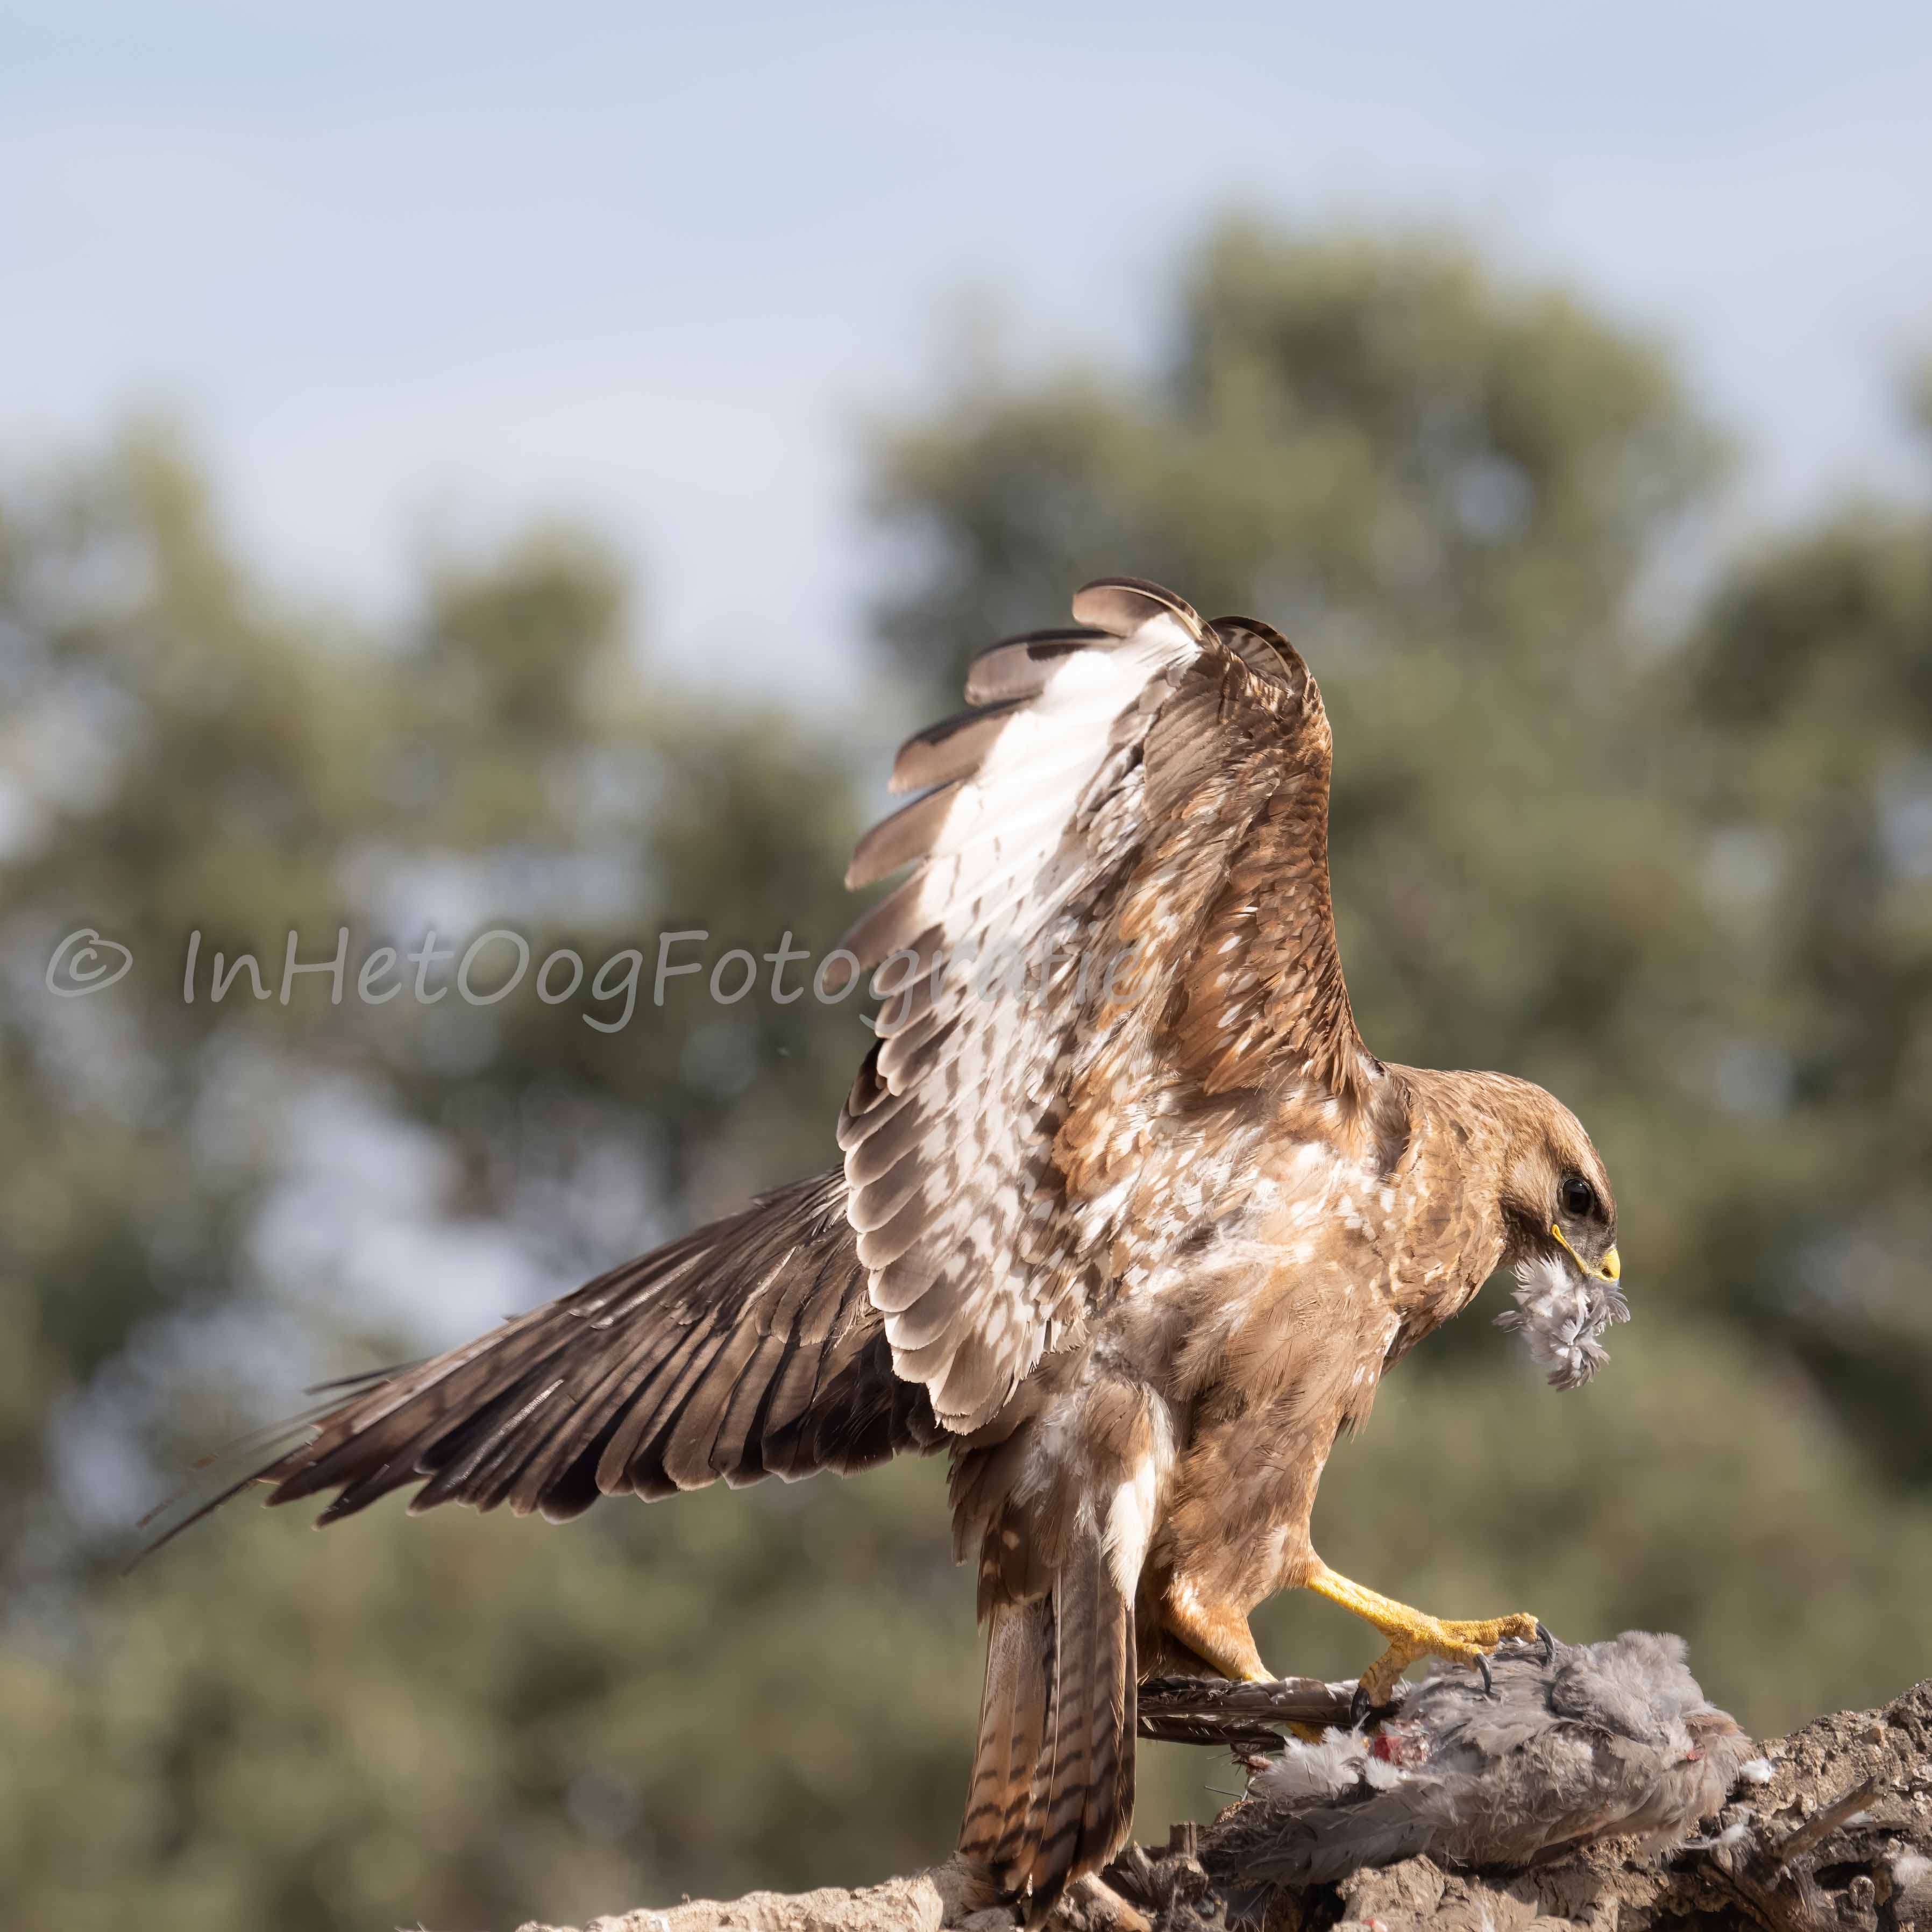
1414	1633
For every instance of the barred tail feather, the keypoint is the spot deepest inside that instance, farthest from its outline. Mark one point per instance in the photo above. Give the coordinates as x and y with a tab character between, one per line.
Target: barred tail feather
1052	1791
1013	1705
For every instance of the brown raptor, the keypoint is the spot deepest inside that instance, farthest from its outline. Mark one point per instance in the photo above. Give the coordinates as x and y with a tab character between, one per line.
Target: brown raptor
1129	1221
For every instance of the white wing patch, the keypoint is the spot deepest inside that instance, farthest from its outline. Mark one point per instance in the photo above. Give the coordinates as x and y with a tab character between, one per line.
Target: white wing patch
946	1149
1018	1143
1006	823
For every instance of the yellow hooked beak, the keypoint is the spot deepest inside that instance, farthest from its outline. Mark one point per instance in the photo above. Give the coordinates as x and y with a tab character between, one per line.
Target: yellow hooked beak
1612	1269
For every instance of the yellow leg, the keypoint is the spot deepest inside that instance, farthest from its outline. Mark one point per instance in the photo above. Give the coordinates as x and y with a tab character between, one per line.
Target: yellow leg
1215	1632
1413	1633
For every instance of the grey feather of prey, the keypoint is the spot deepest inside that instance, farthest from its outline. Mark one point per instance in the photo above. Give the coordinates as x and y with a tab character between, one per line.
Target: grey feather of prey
1560	1319
1606	1739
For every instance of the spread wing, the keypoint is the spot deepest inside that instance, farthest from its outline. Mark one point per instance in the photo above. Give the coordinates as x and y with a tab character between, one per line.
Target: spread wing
1115	945
743	1349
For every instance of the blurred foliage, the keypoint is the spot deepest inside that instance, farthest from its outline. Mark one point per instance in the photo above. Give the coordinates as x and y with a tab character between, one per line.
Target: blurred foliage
1810	677
1679	870
458	1722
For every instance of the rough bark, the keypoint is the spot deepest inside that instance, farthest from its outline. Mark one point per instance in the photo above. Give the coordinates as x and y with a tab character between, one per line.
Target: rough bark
1830	1831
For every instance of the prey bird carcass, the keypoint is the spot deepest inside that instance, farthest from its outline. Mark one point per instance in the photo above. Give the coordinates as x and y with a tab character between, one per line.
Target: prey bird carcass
1132	1235
1596	1740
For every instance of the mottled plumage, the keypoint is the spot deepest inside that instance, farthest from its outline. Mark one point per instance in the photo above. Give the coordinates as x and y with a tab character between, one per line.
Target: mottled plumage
1129	1219
1612	1739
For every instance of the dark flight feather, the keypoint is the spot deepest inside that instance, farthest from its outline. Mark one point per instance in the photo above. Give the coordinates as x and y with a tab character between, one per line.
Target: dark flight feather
746	1348
1020	667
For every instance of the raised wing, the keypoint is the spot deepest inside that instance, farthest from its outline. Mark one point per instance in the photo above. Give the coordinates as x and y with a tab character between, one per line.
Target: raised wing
1115	944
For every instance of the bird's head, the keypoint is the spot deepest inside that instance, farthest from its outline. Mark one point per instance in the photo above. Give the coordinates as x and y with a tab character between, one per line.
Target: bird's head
1560	1237
1556	1199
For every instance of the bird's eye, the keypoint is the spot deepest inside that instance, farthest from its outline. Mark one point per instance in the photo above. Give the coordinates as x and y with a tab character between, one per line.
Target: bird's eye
1579	1197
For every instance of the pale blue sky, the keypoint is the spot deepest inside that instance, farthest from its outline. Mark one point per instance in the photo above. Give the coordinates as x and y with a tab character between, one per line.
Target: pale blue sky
419	267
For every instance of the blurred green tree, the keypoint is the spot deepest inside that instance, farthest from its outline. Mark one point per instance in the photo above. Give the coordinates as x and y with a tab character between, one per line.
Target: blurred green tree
269	1730
1680	878
1810	682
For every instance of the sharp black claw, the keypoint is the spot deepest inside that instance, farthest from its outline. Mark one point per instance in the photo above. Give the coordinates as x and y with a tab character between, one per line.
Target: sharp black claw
1489	1682
1548	1642
1361	1707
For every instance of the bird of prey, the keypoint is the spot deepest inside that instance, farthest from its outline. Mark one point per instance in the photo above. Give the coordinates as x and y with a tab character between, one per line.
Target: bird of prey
1129	1222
